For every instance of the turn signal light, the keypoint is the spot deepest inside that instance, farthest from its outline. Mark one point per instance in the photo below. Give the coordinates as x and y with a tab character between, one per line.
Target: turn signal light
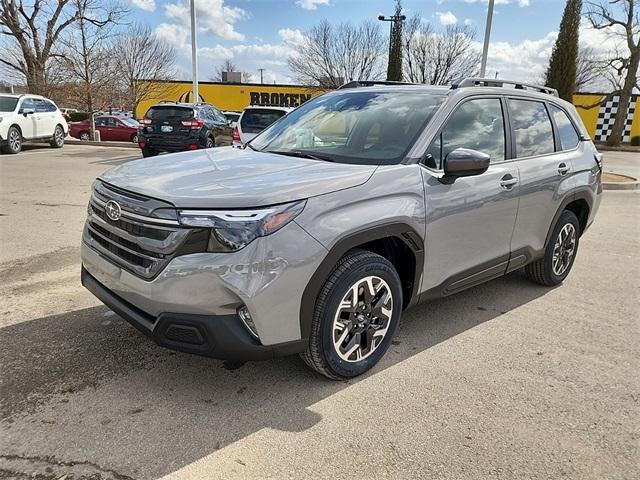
193	123
145	121
236	134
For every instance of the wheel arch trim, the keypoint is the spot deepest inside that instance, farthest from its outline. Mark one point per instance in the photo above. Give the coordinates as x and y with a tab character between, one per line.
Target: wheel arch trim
398	230
583	193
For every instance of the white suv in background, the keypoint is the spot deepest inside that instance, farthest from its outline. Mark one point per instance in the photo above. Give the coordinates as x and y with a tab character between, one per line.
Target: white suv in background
255	119
30	117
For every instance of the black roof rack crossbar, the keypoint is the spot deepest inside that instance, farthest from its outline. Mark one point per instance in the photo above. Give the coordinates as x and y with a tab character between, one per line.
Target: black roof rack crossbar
496	82
371	83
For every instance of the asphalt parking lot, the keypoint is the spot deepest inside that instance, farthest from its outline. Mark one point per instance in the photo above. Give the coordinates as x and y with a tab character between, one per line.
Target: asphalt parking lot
506	380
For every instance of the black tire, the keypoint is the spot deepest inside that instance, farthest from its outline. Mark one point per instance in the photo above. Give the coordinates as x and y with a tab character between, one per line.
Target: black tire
57	141
321	354
85	136
542	271
148	152
210	143
13	143
134	138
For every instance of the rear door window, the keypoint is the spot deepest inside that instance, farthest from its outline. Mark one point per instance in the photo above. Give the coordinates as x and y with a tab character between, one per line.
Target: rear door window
532	128
569	138
257	119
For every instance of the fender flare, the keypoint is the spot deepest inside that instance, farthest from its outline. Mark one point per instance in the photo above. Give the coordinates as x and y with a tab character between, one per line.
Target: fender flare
582	193
401	231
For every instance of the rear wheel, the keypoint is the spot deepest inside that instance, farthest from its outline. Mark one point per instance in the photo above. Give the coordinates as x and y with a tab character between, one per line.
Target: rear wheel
58	137
14	141
560	253
210	143
356	315
148	152
85	137
134	138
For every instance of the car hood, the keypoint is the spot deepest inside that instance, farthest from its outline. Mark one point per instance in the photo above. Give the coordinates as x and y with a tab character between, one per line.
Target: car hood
228	177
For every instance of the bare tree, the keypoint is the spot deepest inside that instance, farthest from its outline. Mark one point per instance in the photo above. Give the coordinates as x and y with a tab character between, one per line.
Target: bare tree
143	61
438	58
621	19
86	55
229	66
331	55
589	69
36	29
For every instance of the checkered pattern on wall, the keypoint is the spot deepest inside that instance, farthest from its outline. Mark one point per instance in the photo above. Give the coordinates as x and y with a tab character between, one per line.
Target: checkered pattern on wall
607	116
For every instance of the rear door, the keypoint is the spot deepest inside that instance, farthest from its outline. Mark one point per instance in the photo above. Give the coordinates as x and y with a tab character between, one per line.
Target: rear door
45	118
101	124
255	120
544	167
470	221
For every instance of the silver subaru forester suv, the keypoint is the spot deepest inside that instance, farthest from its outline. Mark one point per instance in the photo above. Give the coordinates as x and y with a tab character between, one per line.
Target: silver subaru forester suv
355	206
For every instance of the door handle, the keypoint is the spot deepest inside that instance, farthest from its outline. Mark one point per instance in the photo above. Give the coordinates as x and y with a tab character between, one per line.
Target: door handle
508	181
563	169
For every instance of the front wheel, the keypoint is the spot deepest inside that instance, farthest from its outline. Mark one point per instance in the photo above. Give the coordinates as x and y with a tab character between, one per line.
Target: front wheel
14	141
58	137
134	138
560	253
356	315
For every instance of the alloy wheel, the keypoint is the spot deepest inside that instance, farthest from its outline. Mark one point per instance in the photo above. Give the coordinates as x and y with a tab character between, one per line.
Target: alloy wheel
210	143
58	136
84	137
14	140
564	249
362	319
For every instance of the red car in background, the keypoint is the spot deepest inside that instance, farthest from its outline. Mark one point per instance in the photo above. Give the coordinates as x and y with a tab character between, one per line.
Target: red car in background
111	128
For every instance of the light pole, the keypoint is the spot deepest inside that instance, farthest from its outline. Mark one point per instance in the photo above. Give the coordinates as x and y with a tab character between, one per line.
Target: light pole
261	70
194	53
487	34
395	20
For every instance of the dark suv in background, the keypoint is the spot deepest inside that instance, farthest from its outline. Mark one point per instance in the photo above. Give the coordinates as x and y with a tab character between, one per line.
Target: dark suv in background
173	127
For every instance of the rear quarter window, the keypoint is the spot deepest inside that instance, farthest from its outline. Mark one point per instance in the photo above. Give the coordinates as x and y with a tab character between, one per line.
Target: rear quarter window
569	138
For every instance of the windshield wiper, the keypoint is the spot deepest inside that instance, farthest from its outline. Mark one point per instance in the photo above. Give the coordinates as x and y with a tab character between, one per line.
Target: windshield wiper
300	154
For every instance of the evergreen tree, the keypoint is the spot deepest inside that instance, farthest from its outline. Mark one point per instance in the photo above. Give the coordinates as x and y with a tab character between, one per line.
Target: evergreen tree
394	70
563	65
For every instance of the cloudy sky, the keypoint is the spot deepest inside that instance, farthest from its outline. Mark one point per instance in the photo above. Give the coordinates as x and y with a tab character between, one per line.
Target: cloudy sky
262	33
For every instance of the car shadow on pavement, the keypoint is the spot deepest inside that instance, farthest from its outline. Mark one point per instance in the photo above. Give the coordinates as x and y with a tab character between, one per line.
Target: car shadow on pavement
88	378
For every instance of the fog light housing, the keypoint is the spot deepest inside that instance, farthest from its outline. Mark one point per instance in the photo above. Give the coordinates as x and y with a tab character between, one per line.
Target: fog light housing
245	316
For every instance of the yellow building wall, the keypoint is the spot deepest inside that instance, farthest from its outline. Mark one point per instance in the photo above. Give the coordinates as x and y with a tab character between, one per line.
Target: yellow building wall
590	116
229	96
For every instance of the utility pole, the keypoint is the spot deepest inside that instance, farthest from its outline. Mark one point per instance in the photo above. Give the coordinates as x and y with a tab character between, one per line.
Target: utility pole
487	35
194	53
261	70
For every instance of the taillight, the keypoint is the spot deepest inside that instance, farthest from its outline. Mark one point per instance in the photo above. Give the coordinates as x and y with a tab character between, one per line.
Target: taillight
193	123
145	121
236	134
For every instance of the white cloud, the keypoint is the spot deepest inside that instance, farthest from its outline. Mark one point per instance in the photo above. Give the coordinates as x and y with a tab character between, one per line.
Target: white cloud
469	21
148	5
522	3
311	4
446	18
291	37
213	17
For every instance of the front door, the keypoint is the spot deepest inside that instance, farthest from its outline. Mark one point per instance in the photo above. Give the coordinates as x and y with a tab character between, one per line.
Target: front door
470	221
27	121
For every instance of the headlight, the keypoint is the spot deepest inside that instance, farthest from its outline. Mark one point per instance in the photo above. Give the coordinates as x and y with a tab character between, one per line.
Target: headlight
232	230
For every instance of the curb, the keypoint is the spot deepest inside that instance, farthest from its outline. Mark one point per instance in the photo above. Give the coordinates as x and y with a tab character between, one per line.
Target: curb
622	148
632	184
101	144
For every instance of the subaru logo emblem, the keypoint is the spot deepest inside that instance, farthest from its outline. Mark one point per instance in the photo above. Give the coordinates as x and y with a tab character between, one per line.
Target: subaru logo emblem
113	210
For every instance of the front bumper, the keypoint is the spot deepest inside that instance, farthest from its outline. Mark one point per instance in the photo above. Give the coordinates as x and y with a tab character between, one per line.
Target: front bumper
218	336
204	290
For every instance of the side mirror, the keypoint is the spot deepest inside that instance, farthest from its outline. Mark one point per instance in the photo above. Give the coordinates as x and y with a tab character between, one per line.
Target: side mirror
464	162
27	111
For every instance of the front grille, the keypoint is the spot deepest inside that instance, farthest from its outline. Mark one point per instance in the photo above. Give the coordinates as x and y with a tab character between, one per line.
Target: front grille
141	244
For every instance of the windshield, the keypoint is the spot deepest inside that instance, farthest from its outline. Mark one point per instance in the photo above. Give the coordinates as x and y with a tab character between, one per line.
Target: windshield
256	120
353	127
232	117
129	121
8	104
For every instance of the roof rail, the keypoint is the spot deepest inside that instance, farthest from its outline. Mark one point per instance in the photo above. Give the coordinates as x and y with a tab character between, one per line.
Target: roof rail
496	82
371	83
